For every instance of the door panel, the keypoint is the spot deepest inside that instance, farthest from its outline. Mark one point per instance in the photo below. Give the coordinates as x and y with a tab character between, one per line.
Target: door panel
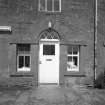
49	63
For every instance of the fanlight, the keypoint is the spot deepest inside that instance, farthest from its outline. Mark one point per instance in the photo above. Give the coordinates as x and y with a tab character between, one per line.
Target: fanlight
49	34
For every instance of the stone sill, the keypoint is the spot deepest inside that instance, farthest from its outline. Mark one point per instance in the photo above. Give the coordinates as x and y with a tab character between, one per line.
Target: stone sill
22	75
49	13
74	74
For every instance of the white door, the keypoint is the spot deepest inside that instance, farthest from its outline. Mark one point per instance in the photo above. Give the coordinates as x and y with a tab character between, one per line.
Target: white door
49	62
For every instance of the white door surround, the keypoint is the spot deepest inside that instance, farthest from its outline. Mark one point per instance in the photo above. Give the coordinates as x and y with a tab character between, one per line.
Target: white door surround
49	52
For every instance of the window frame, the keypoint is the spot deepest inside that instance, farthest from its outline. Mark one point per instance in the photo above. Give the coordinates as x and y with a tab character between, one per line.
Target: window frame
46	9
24	55
74	55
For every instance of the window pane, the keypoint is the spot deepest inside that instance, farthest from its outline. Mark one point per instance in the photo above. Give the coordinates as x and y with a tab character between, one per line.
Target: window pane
27	61
72	65
21	61
75	60
69	49
48	49
23	48
56	5
27	47
75	49
49	5
42	5
69	63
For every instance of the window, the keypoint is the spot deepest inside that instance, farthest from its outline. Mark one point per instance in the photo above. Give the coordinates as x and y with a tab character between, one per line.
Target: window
48	49
50	5
23	57
73	58
49	35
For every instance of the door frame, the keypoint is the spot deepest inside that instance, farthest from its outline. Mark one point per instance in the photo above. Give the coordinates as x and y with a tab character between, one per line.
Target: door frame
48	41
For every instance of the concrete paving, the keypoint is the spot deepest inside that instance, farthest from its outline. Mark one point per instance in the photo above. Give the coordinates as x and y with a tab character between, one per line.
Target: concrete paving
53	95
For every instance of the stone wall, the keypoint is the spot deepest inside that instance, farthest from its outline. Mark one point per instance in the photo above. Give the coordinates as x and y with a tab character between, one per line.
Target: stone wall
75	23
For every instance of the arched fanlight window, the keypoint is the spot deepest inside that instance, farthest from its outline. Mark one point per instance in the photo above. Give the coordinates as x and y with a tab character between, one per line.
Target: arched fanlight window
49	34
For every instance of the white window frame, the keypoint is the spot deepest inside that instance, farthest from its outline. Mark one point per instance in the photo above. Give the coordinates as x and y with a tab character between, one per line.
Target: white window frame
74	55
46	10
24	69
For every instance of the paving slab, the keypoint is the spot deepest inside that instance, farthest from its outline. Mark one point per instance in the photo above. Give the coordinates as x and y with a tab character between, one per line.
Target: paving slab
53	95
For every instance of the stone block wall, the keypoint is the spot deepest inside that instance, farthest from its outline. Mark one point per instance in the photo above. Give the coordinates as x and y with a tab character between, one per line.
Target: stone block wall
75	23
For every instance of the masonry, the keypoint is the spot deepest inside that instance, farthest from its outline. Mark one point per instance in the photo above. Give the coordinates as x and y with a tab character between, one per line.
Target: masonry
100	72
68	31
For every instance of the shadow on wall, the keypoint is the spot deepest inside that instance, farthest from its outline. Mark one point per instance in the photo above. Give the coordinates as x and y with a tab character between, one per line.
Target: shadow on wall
100	81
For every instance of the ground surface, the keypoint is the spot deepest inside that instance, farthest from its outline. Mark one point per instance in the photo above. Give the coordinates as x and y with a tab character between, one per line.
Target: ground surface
53	95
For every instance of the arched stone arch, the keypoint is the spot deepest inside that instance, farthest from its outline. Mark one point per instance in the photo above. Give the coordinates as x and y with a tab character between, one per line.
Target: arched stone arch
49	34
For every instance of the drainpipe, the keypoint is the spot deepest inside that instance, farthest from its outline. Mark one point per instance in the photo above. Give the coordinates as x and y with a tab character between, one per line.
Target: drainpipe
95	39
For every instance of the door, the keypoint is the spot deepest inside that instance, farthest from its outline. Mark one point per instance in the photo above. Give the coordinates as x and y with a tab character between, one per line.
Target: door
49	62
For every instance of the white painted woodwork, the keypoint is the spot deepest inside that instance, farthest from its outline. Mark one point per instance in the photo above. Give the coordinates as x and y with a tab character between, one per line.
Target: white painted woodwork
49	64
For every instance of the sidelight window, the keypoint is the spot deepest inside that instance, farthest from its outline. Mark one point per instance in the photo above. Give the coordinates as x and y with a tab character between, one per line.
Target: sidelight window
23	57
73	58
